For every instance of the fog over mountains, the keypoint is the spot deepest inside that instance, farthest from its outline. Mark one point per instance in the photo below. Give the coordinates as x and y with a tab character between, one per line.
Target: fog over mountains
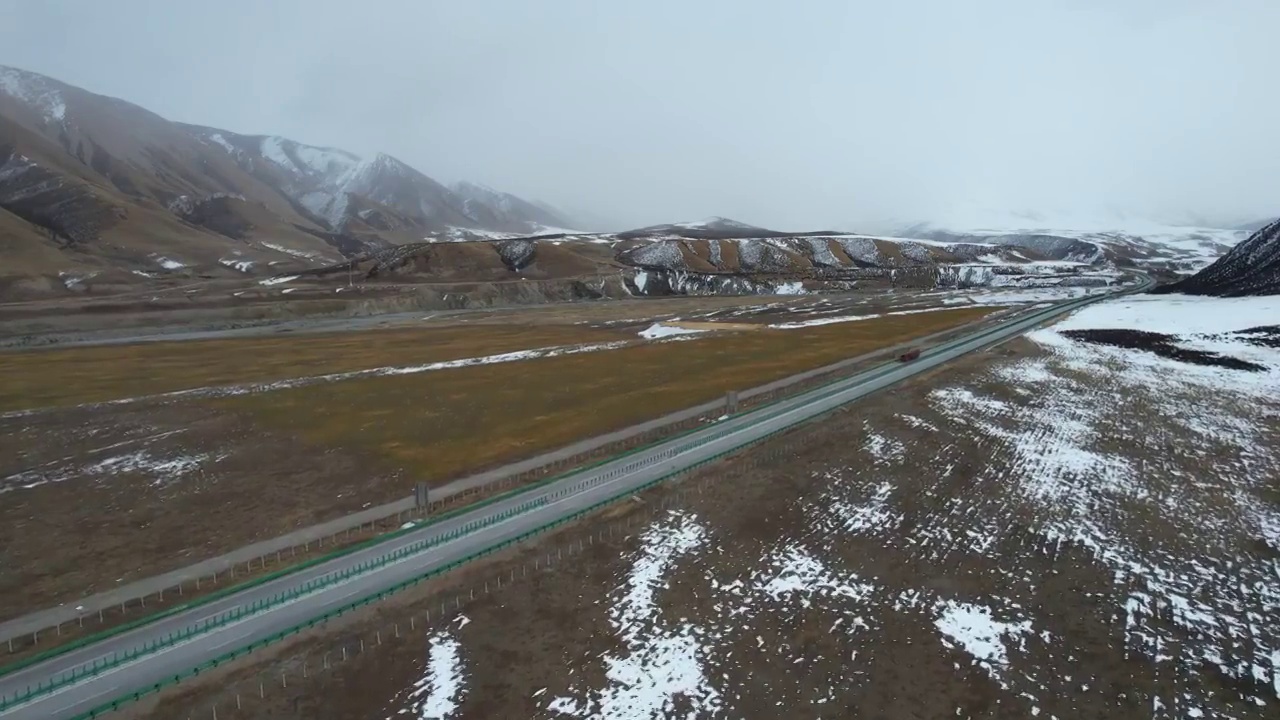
837	115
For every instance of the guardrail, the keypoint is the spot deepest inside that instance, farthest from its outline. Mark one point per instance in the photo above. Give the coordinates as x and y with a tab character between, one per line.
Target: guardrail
379	539
382	594
104	664
239	613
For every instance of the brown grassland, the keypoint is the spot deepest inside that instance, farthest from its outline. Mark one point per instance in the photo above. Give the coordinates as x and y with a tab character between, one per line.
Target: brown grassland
54	377
437	426
292	458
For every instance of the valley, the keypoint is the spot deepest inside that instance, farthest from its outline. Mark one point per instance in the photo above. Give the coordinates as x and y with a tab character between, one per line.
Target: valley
106	205
1001	530
289	430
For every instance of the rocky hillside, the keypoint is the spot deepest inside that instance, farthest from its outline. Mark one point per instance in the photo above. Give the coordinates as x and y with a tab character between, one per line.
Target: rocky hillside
94	184
691	257
1250	268
716	256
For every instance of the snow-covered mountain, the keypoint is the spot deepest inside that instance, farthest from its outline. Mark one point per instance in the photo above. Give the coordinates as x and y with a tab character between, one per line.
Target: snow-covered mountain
325	181
40	95
708	229
1250	268
1255	225
93	182
510	211
1122	240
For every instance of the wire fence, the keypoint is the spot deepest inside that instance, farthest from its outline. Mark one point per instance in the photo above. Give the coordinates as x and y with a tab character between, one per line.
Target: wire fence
240	612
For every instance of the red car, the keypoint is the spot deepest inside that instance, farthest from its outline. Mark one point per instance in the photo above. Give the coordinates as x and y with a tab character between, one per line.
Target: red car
909	355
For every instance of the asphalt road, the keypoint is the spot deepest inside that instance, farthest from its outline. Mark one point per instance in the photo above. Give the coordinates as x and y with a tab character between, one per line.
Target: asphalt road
562	498
45	620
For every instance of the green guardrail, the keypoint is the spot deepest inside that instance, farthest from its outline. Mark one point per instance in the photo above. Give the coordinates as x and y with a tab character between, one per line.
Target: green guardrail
384	537
104	664
327	557
239	613
117	703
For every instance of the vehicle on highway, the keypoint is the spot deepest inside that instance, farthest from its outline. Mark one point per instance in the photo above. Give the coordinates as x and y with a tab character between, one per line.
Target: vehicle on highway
909	355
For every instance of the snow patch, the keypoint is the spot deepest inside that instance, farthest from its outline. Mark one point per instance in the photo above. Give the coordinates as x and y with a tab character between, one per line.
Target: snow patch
36	92
243	266
163	469
217	139
796	572
976	631
659	330
439	693
1176	314
75	282
849	318
305	255
662	663
169	263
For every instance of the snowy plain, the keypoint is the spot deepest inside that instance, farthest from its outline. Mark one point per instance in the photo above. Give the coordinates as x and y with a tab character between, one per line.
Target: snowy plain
1177	314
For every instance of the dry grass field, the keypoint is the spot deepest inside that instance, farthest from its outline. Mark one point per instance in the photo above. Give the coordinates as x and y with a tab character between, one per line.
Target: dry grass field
437	426
44	378
135	489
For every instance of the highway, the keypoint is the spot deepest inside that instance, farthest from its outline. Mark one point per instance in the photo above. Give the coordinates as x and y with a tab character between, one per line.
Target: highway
553	501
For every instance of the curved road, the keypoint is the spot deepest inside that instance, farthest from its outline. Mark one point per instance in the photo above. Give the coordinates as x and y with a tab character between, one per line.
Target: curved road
558	500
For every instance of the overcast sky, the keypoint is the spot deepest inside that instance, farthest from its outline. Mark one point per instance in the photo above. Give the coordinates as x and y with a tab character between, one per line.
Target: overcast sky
790	114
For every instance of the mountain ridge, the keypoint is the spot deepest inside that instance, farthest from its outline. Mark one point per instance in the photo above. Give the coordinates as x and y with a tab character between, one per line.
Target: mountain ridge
1250	268
96	182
